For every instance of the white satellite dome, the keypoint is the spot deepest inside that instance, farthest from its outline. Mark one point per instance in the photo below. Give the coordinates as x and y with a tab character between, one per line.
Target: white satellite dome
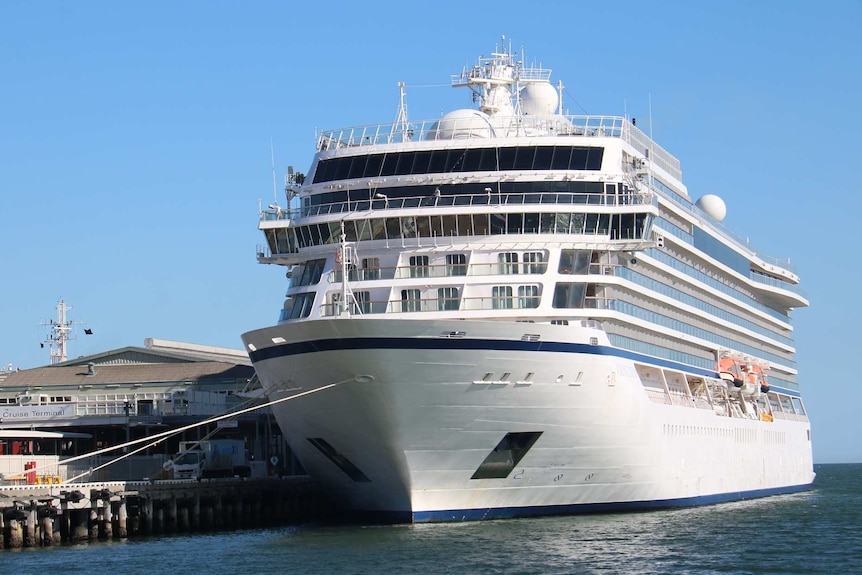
464	123
540	99
713	206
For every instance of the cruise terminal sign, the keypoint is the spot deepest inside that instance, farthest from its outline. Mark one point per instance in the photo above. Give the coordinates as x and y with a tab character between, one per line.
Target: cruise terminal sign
41	412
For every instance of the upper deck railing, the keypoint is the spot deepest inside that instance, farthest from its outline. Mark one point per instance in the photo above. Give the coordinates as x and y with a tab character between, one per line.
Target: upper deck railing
479	126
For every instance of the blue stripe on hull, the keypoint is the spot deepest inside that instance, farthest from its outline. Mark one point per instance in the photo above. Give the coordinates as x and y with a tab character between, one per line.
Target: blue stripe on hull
416	343
586	508
359	343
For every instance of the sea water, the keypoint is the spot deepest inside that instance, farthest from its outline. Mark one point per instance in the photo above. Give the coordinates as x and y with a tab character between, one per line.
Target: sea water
817	531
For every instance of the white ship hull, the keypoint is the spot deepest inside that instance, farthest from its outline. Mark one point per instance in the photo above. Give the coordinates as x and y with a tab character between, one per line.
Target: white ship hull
415	414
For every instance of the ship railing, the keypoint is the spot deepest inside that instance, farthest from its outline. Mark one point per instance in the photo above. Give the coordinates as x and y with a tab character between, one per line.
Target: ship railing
522	270
493	199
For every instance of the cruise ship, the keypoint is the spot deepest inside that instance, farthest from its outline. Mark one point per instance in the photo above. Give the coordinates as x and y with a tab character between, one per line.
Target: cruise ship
512	311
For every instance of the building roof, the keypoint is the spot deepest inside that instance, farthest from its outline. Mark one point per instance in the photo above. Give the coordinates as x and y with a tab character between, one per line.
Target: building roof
126	374
158	351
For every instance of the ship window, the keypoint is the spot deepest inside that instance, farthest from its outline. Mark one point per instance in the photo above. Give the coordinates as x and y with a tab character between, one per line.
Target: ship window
438	162
281	241
488	163
371	268
515	223
544	154
528	296
471	160
447	298
524	158
498	224
338	459
372	168
307	273
507	158
363	230
548	223
298	305
457	264
410	300
390	162
533	263
357	167
421	161
508	262
362	303
531	223
423	226
501	297
419	266
569	295
393	228
506	455
797	404
574	261
436	226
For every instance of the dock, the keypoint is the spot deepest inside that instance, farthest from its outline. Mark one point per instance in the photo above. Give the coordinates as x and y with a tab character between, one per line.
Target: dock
47	515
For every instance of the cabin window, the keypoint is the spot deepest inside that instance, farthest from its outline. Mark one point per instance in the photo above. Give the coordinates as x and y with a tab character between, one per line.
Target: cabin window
419	267
456	264
501	297
447	298
508	262
528	296
410	300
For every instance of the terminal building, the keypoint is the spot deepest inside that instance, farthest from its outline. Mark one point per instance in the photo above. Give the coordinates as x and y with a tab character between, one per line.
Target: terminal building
50	415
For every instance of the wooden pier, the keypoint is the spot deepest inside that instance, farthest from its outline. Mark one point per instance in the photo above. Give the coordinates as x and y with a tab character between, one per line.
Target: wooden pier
46	515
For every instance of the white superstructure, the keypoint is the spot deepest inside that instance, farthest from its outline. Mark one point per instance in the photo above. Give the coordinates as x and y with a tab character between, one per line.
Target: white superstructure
536	319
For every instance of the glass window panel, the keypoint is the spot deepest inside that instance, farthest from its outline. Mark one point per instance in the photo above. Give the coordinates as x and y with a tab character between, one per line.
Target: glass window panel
420	162
378	229
390	163
450	225
408	227
507	158
357	167
524	158
342	167
488	162
363	230
465	225
569	295
531	223
544	156
471	160
373	166
548	223
560	160
515	223
423	227
498	224
393	228
436	226
480	224
438	161
405	164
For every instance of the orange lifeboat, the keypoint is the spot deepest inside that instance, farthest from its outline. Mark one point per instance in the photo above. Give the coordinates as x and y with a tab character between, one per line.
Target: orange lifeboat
761	379
728	367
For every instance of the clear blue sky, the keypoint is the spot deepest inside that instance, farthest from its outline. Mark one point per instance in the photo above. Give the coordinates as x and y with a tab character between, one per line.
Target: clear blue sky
135	146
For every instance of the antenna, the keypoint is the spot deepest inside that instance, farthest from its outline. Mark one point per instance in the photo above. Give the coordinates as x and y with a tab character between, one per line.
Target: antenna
60	333
274	188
